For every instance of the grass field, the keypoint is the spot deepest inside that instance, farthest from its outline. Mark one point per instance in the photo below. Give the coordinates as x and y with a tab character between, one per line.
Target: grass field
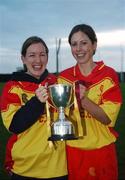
120	144
120	127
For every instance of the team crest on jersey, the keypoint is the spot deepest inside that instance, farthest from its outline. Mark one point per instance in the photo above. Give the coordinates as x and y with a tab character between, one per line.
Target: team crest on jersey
24	98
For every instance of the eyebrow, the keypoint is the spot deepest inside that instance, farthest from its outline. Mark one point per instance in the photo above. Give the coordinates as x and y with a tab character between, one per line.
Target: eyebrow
35	52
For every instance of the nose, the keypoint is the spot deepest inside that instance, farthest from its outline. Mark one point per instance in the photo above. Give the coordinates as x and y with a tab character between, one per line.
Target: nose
38	59
78	47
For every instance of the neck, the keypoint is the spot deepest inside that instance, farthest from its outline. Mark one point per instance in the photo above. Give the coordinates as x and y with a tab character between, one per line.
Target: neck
86	69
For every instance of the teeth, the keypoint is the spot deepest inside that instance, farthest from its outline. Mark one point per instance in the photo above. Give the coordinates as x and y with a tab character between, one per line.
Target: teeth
37	67
80	55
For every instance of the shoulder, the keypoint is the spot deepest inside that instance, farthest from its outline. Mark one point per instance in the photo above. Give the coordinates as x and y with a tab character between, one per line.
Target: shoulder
68	71
106	70
110	73
67	75
52	78
52	75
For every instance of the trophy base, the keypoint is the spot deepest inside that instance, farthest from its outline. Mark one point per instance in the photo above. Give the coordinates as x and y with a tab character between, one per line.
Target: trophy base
62	138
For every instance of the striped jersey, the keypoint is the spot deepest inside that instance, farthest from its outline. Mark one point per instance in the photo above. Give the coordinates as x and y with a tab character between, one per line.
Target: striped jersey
103	89
29	153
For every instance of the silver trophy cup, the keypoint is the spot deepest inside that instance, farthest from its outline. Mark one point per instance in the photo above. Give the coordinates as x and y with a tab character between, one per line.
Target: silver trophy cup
61	96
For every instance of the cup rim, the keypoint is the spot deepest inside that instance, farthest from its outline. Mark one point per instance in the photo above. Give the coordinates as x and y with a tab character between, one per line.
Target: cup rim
57	85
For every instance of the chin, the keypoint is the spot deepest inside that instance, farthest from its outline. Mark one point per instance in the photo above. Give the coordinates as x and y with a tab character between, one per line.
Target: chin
37	74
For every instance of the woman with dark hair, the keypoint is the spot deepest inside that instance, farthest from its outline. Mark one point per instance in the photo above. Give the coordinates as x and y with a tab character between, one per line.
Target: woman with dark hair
29	154
98	101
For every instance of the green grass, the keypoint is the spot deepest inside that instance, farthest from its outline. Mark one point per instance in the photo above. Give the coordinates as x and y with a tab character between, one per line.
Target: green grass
3	139
1	86
120	144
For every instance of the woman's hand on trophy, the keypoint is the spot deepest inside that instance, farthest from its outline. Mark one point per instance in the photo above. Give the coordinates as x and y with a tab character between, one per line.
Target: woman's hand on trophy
41	93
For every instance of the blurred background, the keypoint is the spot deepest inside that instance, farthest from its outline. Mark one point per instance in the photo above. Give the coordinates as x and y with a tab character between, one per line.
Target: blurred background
53	21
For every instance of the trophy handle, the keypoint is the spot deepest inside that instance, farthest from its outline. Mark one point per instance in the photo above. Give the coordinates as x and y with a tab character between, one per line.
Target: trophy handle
51	105
71	104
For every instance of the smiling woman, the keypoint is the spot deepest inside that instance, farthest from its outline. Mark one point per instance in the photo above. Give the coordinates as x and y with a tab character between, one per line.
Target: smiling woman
35	59
98	104
24	114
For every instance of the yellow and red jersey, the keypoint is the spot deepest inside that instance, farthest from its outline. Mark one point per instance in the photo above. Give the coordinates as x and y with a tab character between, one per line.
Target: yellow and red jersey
103	89
28	152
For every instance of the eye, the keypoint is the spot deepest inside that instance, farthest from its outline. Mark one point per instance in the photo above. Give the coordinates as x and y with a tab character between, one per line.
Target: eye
31	55
43	54
73	44
83	43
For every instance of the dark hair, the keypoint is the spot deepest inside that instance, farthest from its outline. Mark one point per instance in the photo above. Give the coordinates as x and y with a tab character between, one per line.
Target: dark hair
32	40
88	30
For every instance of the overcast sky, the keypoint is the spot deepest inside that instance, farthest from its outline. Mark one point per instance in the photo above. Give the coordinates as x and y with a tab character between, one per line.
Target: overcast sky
54	19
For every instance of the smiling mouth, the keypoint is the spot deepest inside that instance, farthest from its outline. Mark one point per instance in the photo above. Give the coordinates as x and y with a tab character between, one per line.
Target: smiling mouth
81	55
37	67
